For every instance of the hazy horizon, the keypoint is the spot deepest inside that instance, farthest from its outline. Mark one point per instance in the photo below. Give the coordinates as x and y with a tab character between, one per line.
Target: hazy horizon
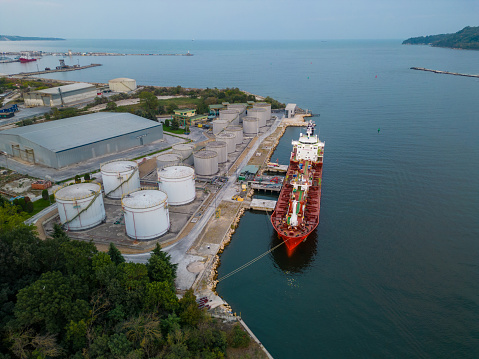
235	20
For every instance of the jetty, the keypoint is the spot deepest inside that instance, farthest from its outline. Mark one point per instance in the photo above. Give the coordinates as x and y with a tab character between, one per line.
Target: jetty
70	68
443	72
262	205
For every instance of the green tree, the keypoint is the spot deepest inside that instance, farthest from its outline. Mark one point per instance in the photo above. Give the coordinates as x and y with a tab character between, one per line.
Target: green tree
111	106
10	218
189	312
238	338
45	194
171	108
160	296
49	301
149	101
160	268
175	124
115	254
87	177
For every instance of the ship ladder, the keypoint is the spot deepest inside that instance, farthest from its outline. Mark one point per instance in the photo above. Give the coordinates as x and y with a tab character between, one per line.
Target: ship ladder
122	183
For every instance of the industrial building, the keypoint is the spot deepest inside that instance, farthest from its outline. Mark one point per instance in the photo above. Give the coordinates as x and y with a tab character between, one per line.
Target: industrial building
290	110
122	84
63	142
61	95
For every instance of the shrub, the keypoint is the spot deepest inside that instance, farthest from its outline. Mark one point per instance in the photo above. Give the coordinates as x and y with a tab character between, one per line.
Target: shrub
29	207
86	177
45	194
239	338
167	123
77	179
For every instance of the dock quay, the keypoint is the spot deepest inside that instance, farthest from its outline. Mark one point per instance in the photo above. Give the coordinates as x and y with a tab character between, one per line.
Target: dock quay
443	72
72	68
262	204
273	167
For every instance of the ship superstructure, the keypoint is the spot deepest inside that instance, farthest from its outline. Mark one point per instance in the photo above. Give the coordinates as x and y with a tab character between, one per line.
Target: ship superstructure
296	213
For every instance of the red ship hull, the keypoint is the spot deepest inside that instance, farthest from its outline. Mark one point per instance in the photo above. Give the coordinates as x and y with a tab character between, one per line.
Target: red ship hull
293	236
24	60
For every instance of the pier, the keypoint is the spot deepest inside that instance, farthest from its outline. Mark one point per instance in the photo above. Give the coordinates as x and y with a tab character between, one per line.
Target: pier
262	205
71	68
443	72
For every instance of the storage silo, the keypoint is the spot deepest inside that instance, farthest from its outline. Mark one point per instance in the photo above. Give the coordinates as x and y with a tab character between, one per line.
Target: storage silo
206	162
146	213
178	182
80	206
122	84
260	113
219	125
220	148
229	138
238	132
240	107
230	115
250	126
120	177
166	159
265	105
185	150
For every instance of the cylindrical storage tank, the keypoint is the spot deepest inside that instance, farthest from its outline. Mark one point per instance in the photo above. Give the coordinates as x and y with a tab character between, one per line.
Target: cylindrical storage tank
146	213
265	105
122	85
241	108
168	159
230	115
206	162
80	206
185	150
178	182
238	132
229	138
260	113
120	177
220	148
219	125
250	125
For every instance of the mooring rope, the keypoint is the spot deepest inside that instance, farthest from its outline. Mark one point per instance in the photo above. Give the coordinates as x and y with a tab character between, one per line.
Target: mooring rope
250	262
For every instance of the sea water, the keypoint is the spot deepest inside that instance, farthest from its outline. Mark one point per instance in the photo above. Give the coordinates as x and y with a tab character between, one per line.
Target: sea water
393	267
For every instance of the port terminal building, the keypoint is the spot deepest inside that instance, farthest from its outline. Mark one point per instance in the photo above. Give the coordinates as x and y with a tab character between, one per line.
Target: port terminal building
61	95
76	139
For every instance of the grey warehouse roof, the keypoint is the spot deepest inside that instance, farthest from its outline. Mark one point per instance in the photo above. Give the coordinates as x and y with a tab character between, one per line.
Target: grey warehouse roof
66	88
68	133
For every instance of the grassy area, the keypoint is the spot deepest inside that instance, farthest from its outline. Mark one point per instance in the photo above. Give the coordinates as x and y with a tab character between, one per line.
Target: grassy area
180	131
41	204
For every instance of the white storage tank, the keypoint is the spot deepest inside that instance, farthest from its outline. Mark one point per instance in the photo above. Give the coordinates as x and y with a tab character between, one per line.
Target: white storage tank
120	177
122	84
80	206
146	213
250	126
219	125
167	159
238	132
260	113
206	162
266	106
178	182
185	150
220	148
240	107
230	115
229	138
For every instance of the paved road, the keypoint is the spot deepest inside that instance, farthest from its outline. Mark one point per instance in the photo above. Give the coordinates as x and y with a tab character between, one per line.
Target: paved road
178	251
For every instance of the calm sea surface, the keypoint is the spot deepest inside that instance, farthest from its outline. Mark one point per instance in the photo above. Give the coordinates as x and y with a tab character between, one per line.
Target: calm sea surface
393	268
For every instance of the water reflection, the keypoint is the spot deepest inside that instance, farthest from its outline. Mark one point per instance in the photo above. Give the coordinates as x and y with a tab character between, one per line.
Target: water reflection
297	261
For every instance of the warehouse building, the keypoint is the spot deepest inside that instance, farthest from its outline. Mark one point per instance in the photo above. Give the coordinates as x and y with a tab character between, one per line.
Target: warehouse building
71	140
122	84
61	95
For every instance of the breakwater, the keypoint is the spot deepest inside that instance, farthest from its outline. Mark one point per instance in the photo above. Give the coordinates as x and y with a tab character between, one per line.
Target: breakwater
71	68
443	72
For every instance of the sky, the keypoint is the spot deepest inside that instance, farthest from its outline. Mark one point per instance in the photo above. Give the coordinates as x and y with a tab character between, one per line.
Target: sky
236	20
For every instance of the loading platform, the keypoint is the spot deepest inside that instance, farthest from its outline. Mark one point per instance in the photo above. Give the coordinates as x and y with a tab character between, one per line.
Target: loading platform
262	204
273	167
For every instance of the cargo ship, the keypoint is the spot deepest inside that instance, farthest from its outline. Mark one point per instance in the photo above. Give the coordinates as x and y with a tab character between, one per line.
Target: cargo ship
24	60
296	213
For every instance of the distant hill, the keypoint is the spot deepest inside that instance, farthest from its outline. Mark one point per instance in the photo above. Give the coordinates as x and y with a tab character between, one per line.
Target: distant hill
467	38
21	38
